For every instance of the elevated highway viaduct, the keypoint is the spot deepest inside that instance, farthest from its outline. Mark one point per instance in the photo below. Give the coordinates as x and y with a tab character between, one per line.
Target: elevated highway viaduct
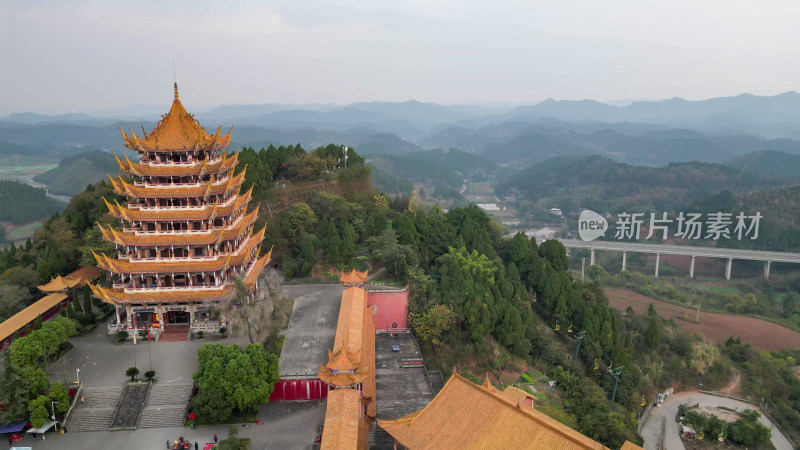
728	254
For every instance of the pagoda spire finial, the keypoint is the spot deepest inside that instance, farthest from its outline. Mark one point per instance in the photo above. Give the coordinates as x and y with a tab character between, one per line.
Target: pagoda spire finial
176	91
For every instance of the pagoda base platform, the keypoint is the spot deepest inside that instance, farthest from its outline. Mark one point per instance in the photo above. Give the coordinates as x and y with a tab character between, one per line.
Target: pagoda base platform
175	333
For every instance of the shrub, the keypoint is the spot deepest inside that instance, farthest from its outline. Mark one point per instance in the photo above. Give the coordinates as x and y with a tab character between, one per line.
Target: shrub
142	333
132	372
122	336
150	374
200	335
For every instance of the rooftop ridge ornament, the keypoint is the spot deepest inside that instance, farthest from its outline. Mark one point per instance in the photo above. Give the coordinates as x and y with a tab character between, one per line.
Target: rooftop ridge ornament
176	92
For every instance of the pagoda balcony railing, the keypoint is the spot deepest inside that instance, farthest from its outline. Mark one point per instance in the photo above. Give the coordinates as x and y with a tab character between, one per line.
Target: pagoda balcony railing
167	208
186	259
181	208
172	184
195	162
155	289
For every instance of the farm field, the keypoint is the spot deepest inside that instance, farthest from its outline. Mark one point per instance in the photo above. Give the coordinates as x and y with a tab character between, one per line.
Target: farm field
714	326
16	167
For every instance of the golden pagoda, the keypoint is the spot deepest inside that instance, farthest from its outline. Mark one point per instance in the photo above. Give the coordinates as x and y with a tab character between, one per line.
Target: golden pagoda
185	230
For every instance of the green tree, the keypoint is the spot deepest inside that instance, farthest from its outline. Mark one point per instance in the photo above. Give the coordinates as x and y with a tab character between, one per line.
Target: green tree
38	411
349	240
212	405
14	391
87	300
58	394
37	324
37	380
434	323
132	372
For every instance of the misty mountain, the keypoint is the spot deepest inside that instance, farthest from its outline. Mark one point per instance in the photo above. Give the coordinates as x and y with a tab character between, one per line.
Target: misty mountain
771	116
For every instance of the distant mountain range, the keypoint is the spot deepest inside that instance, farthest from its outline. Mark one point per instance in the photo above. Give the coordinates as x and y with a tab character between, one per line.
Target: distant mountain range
648	133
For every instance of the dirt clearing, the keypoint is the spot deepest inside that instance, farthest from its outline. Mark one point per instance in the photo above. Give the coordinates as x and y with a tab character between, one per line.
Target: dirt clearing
715	327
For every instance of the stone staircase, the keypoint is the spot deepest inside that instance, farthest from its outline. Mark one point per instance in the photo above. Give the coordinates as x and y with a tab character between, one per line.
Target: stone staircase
166	406
96	412
379	439
175	333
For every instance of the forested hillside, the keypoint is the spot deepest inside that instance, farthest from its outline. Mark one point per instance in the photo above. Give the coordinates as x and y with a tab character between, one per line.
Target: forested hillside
768	164
75	172
603	185
436	167
20	203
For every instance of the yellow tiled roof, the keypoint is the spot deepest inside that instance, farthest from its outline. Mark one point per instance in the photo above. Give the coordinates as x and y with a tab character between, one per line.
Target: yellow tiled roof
177	130
181	265
344	426
124	188
59	284
85	274
178	170
353	276
210	211
467	416
29	314
113	296
181	239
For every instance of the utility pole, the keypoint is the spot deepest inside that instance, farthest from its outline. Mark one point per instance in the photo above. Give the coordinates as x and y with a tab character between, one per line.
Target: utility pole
617	373
580	336
52	405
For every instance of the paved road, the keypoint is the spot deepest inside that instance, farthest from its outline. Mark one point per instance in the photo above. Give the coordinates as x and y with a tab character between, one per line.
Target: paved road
312	327
713	252
652	428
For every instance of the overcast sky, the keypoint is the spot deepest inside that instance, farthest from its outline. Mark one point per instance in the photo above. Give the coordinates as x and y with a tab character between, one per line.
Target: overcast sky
87	55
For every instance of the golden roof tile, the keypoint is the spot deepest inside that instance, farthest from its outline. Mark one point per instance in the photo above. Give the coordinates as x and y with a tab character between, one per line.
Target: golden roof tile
353	277
85	274
177	131
465	415
213	236
198	168
113	296
209	211
59	284
344	427
126	189
182	265
10	326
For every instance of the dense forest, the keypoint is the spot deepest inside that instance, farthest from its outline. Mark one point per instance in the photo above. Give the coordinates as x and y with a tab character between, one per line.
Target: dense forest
20	203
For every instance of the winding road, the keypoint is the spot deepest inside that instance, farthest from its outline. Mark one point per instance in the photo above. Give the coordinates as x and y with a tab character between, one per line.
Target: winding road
651	431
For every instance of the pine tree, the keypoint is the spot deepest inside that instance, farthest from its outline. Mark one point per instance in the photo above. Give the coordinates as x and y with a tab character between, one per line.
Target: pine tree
87	300
76	303
37	323
349	240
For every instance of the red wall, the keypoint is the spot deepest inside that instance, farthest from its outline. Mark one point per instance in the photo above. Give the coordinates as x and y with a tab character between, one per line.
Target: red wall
392	308
313	389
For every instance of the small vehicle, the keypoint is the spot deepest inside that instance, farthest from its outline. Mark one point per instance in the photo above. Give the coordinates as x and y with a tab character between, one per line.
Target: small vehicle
395	348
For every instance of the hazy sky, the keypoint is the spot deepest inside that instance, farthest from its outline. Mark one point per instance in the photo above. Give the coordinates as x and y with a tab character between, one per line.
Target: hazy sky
84	55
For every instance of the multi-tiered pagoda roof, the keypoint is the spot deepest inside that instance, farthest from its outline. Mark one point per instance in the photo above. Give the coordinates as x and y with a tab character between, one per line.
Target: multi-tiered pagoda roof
185	228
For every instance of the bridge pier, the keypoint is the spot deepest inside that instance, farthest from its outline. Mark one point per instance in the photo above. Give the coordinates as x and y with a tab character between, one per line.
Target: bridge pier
691	268
624	260
766	269
591	258
658	260
728	268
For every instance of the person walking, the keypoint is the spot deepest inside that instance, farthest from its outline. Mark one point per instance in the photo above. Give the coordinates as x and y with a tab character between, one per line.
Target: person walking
167	444
195	445
215	437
